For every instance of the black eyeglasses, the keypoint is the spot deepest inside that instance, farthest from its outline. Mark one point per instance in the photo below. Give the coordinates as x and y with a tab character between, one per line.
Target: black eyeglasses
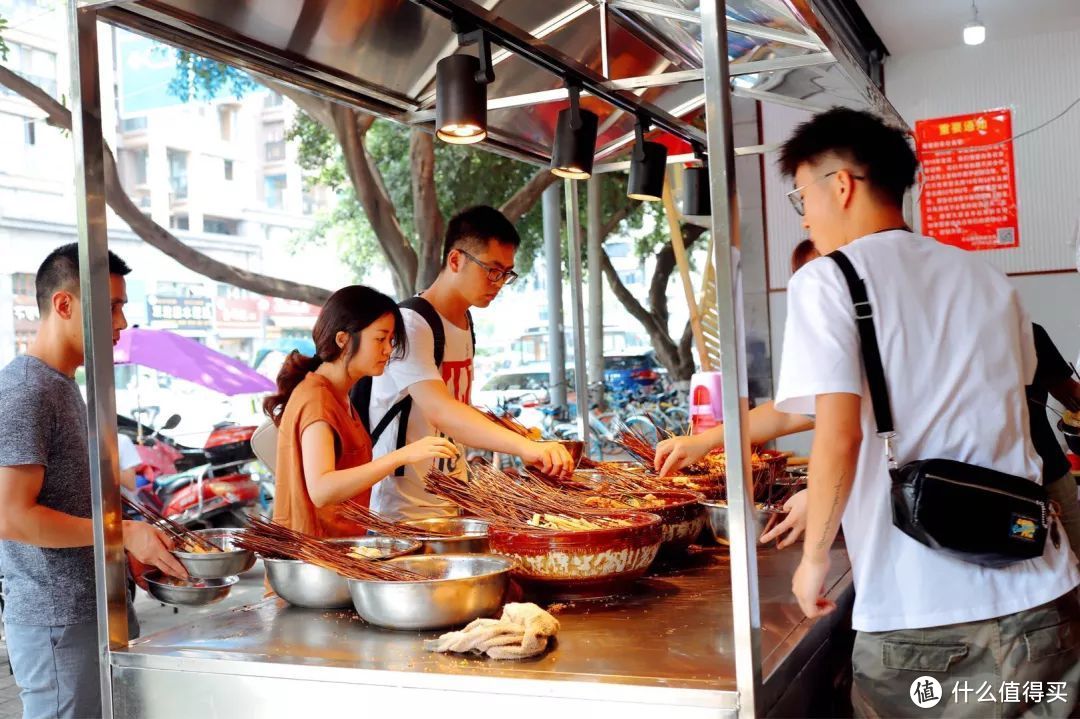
494	274
796	198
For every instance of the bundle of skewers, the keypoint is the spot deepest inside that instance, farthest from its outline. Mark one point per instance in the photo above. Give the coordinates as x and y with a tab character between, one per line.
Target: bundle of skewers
184	540
506	502
506	421
273	540
356	512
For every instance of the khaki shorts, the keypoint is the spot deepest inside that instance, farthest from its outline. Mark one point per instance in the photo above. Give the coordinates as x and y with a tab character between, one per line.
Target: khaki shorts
1021	665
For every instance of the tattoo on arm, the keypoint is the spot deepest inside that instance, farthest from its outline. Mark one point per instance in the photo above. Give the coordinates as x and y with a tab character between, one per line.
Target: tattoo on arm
830	521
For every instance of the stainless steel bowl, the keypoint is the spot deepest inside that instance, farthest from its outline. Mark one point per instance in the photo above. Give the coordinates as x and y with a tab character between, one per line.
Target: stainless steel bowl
214	565
718	519
463	536
461	588
188	592
312	587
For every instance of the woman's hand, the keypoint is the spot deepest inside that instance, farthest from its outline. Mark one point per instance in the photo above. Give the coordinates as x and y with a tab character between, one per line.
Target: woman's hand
427	449
678	452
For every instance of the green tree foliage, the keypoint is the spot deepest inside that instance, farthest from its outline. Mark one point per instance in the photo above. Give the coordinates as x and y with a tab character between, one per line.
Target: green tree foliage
199	79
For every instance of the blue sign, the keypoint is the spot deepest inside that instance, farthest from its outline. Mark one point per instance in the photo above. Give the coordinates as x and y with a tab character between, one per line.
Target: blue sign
145	70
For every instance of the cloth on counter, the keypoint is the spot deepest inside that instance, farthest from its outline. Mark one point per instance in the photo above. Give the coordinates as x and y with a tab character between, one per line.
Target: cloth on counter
522	631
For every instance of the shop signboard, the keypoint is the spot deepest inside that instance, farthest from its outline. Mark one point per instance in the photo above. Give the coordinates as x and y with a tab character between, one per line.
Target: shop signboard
191	314
968	196
238	314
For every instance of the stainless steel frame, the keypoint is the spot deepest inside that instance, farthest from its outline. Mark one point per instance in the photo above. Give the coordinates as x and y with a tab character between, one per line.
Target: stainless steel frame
581	377
164	19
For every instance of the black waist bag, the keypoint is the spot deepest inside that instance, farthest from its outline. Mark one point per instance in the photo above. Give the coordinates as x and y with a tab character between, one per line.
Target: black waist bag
972	513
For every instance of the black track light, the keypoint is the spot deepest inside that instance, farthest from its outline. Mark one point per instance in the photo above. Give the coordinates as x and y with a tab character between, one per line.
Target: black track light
461	93
648	164
697	199
575	140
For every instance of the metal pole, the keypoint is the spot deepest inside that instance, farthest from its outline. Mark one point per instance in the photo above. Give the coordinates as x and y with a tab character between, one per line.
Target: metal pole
596	292
556	328
605	69
573	230
724	228
97	329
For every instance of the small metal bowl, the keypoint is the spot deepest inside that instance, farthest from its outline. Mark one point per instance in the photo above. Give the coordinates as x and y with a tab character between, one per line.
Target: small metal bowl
718	519
457	535
312	587
215	565
188	592
461	588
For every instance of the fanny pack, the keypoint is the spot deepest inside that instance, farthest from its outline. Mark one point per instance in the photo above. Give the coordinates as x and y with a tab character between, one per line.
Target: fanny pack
972	513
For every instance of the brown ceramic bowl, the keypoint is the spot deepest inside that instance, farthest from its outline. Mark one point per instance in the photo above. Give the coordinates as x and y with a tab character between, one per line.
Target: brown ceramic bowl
580	564
683	518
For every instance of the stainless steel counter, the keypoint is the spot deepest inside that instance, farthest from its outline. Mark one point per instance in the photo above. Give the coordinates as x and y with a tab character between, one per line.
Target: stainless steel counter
669	644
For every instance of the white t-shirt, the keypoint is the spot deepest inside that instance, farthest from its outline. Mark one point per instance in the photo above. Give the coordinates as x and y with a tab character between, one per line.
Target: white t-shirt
129	456
404	498
957	349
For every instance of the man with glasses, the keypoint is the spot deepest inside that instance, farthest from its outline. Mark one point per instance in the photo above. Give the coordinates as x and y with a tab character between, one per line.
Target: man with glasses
429	390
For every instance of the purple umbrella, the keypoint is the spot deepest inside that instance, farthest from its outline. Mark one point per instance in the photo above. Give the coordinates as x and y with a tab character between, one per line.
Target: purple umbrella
186	359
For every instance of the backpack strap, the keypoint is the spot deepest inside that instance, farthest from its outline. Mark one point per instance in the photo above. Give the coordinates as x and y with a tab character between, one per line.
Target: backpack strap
422	307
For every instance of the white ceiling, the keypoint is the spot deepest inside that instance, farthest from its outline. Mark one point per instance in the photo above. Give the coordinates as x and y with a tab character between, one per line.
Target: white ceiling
917	25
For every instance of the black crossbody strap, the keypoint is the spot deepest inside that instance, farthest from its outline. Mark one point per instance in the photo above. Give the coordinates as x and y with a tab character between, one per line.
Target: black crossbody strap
871	353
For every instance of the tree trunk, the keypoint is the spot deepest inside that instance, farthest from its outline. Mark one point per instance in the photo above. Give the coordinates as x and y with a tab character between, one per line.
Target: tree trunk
149	231
426	215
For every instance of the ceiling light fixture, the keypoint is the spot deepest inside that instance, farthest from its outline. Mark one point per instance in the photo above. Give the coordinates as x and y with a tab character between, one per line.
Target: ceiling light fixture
575	139
648	163
974	31
461	92
697	199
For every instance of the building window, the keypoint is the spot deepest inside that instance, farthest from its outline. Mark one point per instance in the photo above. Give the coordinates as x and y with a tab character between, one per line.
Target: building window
30	132
274	99
22	283
274	191
227	121
139	158
32	64
133	124
632	277
221	226
178	175
617	249
274	133
228	169
178	222
310	204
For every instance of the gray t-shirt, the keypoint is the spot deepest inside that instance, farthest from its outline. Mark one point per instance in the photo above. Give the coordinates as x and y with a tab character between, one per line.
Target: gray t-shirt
43	421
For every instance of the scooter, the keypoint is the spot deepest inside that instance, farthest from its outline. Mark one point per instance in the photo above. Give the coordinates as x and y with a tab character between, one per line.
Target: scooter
217	494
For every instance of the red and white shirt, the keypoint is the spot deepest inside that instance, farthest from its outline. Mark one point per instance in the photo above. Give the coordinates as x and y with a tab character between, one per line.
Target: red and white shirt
404	498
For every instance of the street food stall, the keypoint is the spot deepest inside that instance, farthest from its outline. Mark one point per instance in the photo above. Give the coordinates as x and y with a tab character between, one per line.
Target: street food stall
716	633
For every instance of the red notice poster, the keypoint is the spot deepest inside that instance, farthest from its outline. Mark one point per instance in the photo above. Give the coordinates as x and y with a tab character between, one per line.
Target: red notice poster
968	180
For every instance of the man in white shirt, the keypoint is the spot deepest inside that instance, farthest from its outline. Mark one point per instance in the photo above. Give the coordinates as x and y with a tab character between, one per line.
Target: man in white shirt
478	260
957	349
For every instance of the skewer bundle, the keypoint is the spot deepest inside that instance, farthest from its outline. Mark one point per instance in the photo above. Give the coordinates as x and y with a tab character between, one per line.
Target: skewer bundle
508	422
184	539
356	512
501	500
273	540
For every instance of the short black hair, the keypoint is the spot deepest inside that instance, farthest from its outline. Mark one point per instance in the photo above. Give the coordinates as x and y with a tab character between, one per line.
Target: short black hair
473	228
60	271
880	151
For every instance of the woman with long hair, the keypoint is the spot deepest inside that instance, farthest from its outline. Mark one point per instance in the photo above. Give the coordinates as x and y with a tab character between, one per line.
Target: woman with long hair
323	451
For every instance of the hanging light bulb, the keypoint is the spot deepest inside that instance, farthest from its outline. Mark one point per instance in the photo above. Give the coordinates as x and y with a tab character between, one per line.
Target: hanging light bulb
461	93
648	164
575	140
697	199
974	31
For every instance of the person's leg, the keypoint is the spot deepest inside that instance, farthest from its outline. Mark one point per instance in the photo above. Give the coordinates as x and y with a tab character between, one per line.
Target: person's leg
30	652
889	671
1063	491
1041	658
77	669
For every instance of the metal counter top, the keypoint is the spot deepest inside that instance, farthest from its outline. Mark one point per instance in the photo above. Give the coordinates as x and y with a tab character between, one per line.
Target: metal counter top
672	632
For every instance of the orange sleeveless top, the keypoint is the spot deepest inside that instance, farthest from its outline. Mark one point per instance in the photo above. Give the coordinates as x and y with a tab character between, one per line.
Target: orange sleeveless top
313	401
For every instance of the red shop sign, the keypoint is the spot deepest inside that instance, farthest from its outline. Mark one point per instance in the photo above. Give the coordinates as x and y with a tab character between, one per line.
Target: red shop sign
968	180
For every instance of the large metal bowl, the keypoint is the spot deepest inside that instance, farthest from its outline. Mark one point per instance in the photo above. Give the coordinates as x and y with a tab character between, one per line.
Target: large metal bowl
456	535
718	519
215	565
312	587
461	588
188	592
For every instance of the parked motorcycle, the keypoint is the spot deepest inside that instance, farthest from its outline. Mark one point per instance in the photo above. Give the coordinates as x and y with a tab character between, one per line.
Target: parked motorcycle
219	493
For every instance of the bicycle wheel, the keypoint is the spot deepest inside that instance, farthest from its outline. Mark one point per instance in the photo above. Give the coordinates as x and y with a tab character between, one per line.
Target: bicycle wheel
678	420
644	426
